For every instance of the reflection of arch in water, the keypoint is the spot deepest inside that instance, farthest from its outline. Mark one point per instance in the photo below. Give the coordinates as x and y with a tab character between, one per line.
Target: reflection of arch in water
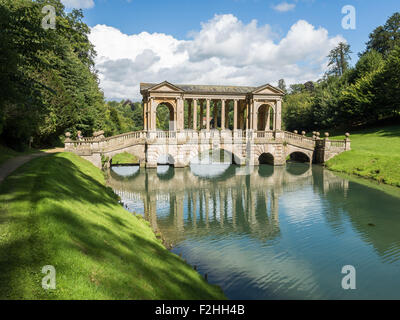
122	173
165	159
266	171
298	156
212	156
297	168
165	172
266	158
218	172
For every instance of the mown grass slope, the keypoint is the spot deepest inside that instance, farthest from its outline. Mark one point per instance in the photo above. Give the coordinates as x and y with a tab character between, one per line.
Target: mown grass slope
56	211
375	154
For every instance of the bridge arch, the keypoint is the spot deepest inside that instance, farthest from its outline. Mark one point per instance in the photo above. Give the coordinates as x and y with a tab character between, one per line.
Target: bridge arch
266	158
299	156
165	159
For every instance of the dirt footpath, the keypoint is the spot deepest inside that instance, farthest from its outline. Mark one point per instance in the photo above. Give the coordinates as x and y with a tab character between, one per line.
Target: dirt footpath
10	165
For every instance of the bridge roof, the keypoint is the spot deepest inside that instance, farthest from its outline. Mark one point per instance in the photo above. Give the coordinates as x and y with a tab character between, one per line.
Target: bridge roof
192	88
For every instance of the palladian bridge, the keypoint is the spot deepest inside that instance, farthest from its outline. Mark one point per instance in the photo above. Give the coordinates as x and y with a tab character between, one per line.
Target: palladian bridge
245	122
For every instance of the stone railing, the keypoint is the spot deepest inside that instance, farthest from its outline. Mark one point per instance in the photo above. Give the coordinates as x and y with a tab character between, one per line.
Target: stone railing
299	139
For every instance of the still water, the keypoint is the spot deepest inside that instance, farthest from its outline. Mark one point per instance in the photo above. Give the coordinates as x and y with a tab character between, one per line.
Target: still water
273	232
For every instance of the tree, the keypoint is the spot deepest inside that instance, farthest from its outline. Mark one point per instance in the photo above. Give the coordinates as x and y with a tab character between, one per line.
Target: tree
339	58
384	38
282	85
49	84
309	86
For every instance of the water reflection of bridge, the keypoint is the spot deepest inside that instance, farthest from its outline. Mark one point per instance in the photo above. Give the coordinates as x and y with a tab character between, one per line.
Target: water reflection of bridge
195	202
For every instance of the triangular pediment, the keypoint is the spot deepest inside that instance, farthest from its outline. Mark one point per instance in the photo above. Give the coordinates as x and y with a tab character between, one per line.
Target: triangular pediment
268	89
165	86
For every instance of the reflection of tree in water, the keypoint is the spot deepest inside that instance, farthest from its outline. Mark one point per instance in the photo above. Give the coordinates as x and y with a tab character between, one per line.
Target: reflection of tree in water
374	214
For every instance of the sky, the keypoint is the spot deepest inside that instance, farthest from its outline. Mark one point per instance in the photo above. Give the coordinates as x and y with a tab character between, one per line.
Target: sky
222	42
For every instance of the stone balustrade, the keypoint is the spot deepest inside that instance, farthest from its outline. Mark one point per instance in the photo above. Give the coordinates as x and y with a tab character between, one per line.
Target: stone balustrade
317	149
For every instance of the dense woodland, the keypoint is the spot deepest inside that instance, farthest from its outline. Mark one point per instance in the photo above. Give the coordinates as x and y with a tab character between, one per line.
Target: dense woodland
50	85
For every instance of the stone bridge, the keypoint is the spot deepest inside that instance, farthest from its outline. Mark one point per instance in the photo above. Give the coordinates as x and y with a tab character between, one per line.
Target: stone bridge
243	121
181	148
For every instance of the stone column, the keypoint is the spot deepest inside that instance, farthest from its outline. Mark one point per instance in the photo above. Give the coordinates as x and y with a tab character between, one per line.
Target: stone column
274	120
255	115
215	114
195	114
278	121
144	115
208	115
227	115
175	117
201	114
189	101
223	114
180	114
268	124
153	113
235	114
247	115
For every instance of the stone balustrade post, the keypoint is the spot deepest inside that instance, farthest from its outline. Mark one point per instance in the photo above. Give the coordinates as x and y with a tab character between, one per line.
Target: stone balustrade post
347	141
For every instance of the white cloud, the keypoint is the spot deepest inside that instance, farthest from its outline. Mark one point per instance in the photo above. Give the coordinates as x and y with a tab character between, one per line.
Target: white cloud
78	4
223	51
284	6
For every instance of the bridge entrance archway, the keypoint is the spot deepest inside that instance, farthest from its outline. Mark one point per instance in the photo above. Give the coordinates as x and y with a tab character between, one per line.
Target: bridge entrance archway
265	118
165	117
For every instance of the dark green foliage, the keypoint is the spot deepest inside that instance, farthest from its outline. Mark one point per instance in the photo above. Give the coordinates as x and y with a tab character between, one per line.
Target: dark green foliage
49	85
384	38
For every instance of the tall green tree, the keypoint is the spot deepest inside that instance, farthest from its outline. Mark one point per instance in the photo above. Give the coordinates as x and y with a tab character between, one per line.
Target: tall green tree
385	38
339	58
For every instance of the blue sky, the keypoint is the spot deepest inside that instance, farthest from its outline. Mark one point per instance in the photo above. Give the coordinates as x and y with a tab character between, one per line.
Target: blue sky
187	24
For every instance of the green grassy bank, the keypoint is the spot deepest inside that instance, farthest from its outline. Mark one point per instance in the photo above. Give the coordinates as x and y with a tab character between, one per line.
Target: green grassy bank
56	211
375	154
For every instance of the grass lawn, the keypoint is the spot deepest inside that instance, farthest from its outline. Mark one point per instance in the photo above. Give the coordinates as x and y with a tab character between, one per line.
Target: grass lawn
56	210
375	154
124	158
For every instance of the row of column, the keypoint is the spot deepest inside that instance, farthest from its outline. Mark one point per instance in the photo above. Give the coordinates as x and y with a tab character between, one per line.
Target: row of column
239	107
192	114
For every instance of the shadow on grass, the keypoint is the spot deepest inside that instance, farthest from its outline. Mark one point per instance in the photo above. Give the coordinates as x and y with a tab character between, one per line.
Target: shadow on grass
59	214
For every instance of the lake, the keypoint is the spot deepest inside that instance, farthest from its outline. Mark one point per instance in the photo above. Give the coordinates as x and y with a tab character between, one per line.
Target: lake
272	232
